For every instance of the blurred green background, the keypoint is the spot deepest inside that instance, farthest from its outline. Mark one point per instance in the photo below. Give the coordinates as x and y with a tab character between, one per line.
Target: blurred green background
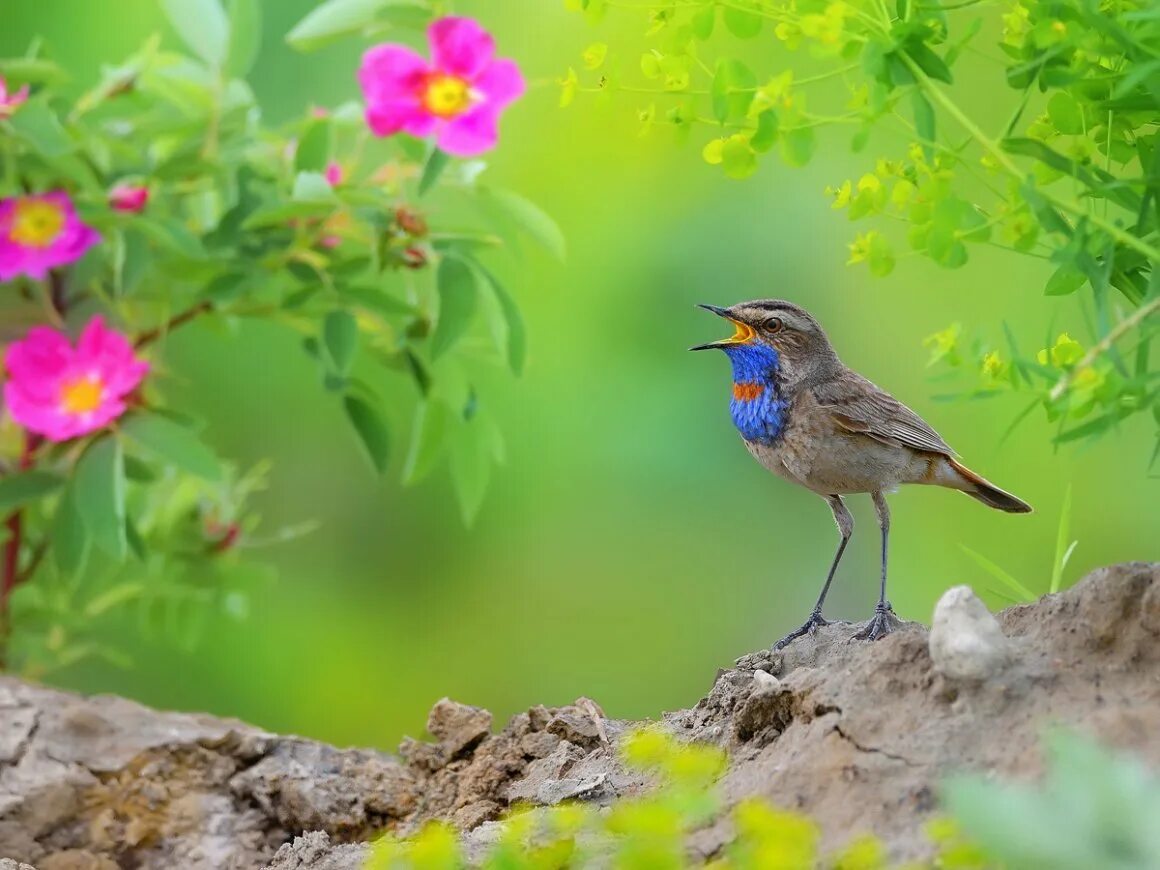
630	546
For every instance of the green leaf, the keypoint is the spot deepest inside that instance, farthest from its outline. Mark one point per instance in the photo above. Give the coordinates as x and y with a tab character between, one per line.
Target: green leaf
929	62
337	18
39	126
1062	550
923	122
732	90
25	487
436	162
173	443
456	282
371	429
70	539
1065	113
245	36
703	22
1100	181
737	159
517	334
340	335
766	135
171	235
202	25
741	23
797	145
427	437
377	299
1023	593
110	598
1064	281
313	151
100	495
529	217
470	468
311	187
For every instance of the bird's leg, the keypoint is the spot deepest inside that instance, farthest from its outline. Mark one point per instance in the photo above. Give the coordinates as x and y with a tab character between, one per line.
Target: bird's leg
884	621
845	521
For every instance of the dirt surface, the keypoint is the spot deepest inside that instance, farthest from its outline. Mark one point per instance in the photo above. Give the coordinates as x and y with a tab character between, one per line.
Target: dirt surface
857	735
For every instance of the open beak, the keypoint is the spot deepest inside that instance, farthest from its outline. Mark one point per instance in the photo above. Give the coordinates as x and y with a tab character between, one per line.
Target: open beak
743	332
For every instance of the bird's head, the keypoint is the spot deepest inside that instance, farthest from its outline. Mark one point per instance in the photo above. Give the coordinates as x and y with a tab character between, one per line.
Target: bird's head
775	333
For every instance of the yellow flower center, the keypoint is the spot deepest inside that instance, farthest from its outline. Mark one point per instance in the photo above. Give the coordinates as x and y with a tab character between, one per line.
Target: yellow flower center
447	96
37	223
83	395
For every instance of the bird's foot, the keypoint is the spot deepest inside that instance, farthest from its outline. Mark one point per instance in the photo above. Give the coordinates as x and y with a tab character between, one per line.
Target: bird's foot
809	625
881	624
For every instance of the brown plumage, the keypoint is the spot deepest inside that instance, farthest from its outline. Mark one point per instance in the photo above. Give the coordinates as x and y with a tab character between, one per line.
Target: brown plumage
808	418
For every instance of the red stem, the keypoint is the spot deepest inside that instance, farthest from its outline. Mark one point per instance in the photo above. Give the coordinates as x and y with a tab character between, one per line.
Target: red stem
10	576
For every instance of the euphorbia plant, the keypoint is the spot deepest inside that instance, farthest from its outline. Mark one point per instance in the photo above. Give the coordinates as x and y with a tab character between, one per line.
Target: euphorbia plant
1067	172
159	198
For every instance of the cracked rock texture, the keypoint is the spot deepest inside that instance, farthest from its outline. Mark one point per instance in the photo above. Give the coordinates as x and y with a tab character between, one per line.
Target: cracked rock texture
857	735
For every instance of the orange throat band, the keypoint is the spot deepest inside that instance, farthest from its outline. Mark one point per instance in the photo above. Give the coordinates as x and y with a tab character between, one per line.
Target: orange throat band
747	392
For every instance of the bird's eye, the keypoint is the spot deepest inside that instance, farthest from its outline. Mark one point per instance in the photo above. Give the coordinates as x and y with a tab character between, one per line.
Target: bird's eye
773	324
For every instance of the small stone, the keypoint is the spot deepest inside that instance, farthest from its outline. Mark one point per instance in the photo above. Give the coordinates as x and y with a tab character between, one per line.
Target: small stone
966	642
458	727
763	681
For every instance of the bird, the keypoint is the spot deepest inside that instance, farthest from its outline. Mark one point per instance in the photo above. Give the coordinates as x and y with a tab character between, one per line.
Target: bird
808	418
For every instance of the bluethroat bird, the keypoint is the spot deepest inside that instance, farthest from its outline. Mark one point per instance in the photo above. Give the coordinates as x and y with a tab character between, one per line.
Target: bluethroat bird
808	418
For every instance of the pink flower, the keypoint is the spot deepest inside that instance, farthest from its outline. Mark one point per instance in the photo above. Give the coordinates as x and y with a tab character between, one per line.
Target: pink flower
60	391
334	174
129	197
456	97
9	103
40	232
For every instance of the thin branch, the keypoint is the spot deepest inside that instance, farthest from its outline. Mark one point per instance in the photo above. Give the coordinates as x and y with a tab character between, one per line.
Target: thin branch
1104	345
151	335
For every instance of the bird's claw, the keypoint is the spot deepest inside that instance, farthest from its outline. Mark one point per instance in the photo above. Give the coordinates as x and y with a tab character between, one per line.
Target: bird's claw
883	622
809	625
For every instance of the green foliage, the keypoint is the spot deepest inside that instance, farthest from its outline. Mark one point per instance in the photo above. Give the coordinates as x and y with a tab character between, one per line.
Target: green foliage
314	226
1095	809
1073	177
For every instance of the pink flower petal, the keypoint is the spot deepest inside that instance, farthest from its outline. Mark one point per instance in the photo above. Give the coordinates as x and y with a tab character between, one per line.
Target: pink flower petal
501	83
472	133
43	366
34	261
391	74
389	119
460	46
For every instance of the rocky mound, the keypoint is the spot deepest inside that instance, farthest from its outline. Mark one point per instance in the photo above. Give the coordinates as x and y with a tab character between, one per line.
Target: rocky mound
856	735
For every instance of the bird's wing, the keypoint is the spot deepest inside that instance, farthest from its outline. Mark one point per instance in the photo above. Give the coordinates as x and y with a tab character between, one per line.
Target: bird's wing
858	405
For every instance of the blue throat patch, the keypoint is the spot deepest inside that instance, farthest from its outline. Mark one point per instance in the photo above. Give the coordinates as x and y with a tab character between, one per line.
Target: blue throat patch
758	411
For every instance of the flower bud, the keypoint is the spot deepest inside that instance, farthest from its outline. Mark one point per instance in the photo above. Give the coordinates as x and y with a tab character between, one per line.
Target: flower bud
411	222
414	258
129	198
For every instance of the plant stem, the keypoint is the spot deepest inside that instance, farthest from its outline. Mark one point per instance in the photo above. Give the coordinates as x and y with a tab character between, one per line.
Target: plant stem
1004	160
1104	345
10	564
151	335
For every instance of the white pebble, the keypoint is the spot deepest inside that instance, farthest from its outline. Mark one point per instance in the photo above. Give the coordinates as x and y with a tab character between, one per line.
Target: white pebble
966	641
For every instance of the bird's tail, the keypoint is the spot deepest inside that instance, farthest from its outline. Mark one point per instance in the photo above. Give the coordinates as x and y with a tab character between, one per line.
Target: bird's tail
986	492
